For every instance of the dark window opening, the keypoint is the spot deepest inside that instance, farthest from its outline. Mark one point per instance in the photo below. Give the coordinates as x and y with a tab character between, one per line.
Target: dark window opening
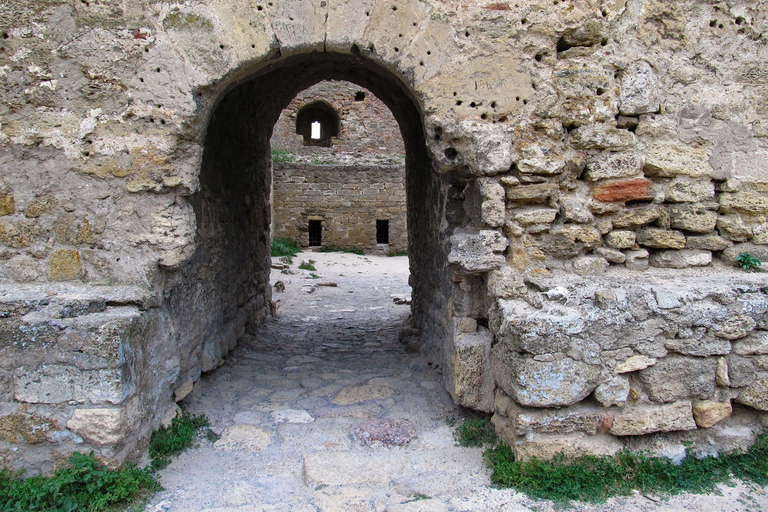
318	122
315	233
382	231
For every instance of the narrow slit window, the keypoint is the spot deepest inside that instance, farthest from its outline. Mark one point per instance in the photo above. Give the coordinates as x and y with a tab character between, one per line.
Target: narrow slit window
316	131
382	231
315	233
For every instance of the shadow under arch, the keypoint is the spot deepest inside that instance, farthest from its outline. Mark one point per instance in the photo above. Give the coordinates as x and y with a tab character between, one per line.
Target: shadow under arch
225	285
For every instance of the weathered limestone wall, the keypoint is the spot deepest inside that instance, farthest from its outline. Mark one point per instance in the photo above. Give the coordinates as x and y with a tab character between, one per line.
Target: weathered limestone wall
346	199
542	140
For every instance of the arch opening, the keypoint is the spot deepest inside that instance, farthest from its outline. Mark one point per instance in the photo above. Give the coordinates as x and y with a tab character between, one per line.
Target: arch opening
225	285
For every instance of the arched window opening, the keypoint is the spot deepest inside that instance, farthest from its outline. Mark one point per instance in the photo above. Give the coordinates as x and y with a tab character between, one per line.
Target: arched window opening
318	123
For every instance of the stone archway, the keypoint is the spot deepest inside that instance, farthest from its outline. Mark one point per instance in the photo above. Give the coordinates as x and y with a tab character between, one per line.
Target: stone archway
225	284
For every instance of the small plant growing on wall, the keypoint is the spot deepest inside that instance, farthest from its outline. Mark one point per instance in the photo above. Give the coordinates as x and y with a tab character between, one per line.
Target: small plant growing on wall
282	156
748	262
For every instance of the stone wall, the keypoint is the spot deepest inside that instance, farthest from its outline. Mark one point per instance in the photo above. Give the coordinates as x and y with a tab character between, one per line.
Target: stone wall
368	127
348	186
348	200
543	141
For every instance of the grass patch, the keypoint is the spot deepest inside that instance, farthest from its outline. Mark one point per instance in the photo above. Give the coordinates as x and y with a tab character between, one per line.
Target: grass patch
285	247
314	276
397	253
169	441
86	486
475	432
594	479
334	248
308	265
282	156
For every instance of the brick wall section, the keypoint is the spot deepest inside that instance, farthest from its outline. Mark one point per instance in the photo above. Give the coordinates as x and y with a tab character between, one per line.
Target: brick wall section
347	199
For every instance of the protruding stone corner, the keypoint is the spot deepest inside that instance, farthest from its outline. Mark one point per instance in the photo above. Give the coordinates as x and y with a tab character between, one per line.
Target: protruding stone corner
478	251
482	147
471	382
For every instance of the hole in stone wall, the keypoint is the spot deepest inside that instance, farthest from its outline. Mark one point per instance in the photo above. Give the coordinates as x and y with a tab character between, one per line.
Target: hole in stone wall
562	45
538	57
382	231
315	228
355	50
4	35
359	96
451	153
600	91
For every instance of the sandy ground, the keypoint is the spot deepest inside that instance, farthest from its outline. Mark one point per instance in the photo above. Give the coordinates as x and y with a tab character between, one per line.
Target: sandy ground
301	402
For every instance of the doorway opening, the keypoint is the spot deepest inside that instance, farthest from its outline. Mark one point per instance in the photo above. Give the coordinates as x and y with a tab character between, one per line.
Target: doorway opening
225	285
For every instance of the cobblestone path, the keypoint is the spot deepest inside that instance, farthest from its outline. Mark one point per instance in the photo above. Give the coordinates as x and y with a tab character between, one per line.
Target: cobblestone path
324	410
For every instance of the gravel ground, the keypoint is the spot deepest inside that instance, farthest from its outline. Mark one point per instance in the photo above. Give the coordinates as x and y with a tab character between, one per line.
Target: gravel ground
323	409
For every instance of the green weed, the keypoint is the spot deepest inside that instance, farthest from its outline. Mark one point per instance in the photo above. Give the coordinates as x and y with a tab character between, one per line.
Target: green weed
285	247
86	486
334	248
397	253
175	438
282	156
417	497
314	276
476	432
594	479
308	265
748	262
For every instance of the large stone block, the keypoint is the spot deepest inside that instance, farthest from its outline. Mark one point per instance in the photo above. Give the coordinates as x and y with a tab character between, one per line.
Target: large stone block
707	243
755	343
55	384
608	137
492	205
644	419
661	238
538	193
688	190
745	202
639	89
734	327
530	216
569	240
681	259
620	239
639	216
614	391
576	418
608	165
548	446
624	190
680	378
506	283
472	376
103	426
64	265
693	218
478	252
670	159
707	413
543	383
756	394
